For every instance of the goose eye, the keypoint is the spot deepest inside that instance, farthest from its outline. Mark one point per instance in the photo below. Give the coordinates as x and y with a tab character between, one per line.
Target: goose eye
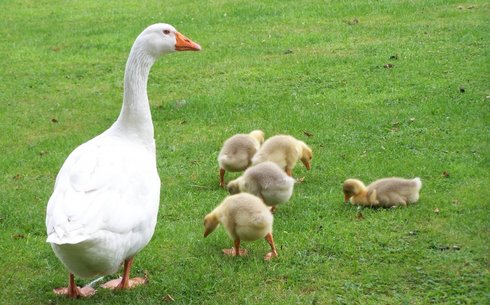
166	32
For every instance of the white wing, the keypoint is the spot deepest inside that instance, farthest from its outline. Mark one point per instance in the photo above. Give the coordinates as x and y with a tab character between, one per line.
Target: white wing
110	185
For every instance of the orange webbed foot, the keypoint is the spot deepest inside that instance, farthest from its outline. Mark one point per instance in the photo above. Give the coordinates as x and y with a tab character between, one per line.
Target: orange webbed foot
270	255
232	252
118	283
83	292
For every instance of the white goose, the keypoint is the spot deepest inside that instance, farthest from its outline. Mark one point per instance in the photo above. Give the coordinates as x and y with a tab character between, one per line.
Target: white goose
105	202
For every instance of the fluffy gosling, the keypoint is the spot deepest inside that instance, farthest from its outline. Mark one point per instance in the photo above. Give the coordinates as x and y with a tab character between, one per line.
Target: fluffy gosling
386	192
245	217
237	152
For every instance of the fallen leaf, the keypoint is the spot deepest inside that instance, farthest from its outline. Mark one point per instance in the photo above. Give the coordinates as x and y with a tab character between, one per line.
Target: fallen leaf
352	22
300	180
395	57
440	247
412	120
54	120
445	174
288	51
43	152
18	236
307	133
445	247
388	66
412	233
168	298
359	216
436	210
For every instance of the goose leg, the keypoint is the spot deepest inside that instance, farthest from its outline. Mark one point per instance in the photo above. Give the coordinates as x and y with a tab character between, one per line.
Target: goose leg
235	251
222	177
273	252
73	291
289	172
125	282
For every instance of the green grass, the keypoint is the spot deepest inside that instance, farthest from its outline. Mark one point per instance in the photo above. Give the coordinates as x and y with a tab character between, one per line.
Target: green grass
64	60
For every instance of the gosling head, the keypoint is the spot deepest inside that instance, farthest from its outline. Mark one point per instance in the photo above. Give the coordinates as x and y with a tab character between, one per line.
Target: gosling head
306	155
211	222
258	135
234	186
352	187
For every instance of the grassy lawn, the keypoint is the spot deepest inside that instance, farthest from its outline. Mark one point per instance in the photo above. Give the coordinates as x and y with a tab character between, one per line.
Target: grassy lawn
376	88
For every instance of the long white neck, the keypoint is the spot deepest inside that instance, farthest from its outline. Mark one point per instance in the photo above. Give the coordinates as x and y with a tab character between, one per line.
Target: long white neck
134	121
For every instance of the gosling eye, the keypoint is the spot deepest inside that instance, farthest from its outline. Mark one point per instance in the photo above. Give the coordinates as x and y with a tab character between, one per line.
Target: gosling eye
166	32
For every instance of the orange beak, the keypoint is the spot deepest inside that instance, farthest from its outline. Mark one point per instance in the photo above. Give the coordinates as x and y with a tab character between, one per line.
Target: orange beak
346	198
183	43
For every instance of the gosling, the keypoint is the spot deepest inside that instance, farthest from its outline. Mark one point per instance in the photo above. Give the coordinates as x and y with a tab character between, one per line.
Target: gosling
237	152
267	181
285	151
386	192
245	217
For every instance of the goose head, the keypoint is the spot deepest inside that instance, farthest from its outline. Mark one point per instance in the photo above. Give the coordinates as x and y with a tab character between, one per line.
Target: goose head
352	187
162	38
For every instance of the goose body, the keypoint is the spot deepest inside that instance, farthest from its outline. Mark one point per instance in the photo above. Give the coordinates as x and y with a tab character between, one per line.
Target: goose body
105	202
285	151
386	192
265	180
245	217
237	152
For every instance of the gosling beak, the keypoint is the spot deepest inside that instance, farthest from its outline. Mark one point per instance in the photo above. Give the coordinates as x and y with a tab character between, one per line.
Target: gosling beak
206	233
346	198
307	164
183	43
